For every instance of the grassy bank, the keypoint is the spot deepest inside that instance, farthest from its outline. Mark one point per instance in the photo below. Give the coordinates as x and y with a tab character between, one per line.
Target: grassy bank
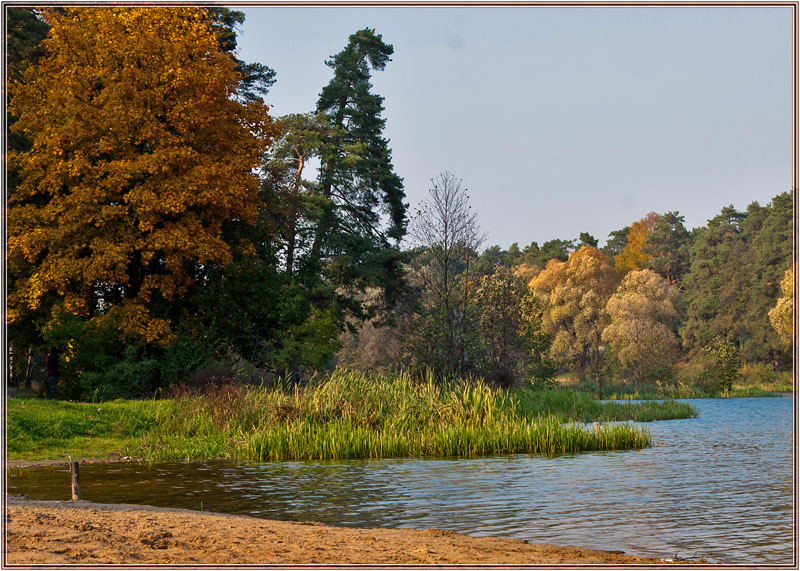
348	415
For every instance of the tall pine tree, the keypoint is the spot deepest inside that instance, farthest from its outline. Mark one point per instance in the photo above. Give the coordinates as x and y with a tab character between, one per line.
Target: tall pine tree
361	216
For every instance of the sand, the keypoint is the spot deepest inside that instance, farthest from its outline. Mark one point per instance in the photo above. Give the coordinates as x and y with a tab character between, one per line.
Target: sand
46	532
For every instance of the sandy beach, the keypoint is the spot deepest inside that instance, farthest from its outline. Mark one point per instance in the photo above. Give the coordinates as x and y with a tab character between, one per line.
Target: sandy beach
48	532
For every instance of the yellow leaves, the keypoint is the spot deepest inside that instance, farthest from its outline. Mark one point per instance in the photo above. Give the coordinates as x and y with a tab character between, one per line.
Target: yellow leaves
781	317
574	295
137	149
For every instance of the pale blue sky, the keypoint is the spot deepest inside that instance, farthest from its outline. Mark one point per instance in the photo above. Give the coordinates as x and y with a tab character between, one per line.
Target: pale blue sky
563	120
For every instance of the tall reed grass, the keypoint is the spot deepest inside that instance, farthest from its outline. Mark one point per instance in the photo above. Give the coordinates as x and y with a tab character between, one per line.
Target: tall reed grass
345	415
354	415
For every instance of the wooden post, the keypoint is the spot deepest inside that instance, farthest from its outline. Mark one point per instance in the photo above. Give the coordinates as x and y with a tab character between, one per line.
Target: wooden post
76	482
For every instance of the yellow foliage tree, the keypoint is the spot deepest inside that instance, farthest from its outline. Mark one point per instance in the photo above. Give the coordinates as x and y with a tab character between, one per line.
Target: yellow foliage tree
642	312
526	271
634	255
139	154
782	315
574	294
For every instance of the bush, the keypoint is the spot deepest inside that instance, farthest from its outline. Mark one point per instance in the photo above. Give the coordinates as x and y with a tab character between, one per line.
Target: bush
722	365
132	377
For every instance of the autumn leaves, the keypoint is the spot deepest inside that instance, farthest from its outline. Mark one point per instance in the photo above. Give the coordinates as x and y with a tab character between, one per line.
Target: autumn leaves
138	155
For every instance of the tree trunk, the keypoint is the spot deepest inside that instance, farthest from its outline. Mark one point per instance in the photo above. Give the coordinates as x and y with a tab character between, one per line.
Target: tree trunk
29	369
12	366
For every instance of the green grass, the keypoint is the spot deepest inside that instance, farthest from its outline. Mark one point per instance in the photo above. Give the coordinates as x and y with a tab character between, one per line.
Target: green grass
346	415
47	429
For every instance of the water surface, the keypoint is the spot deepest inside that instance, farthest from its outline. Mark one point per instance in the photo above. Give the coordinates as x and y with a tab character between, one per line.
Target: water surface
718	486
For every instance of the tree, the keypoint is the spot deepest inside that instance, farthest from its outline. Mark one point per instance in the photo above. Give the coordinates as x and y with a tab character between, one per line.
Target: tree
641	334
782	315
489	259
737	263
667	245
715	281
140	156
256	79
442	335
25	31
514	255
551	250
617	241
513	341
586	239
289	199
574	295
634	255
358	187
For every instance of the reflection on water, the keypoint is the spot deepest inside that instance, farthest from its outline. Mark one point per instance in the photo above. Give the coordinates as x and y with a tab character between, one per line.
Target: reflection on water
719	485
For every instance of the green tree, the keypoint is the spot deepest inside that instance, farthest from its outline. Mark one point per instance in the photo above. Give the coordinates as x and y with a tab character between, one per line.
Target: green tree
513	342
489	259
290	200
256	79
723	364
514	255
358	187
737	262
551	250
586	239
667	245
716	286
617	241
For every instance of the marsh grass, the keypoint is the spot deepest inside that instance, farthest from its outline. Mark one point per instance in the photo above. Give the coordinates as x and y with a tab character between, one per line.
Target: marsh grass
580	406
345	415
355	415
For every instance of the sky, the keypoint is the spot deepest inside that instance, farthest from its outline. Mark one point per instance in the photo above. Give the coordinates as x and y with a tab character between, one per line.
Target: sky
562	120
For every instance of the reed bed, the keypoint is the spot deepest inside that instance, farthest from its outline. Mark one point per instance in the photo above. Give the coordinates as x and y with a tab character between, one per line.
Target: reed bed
344	415
582	407
352	415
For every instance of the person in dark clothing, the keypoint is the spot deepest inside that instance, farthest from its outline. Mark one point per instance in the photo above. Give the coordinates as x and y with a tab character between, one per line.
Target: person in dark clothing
51	367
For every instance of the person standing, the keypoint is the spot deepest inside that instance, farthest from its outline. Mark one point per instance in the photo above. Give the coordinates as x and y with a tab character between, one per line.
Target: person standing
51	367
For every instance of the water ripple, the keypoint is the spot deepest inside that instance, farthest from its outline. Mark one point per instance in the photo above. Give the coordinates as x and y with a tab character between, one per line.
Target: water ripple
720	485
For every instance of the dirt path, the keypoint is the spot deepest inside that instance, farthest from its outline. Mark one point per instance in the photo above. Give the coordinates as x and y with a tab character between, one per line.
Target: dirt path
87	533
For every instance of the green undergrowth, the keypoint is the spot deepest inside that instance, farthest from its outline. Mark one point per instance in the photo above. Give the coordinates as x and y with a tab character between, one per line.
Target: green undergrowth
345	415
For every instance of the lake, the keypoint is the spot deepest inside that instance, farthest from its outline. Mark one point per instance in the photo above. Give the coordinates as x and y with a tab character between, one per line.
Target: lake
718	486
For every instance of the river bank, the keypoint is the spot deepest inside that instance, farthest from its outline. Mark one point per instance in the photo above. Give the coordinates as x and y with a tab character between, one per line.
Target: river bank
48	532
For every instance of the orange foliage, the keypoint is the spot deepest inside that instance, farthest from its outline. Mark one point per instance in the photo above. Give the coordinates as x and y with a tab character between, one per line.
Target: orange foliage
633	255
139	154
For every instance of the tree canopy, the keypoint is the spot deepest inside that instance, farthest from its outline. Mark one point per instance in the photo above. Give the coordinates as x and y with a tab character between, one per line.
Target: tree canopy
139	156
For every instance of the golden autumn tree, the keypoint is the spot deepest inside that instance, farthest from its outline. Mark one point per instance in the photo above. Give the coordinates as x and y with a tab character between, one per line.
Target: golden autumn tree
640	334
634	255
574	296
140	153
782	315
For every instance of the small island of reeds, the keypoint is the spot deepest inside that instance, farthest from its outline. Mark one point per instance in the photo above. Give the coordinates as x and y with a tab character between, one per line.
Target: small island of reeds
345	415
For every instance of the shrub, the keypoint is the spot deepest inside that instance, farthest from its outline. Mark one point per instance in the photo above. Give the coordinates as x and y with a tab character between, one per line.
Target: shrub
722	364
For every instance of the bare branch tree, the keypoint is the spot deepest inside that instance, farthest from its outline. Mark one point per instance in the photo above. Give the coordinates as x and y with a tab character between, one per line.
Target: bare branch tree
446	229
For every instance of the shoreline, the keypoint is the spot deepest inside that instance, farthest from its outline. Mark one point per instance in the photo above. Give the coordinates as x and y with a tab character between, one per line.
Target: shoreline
82	532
